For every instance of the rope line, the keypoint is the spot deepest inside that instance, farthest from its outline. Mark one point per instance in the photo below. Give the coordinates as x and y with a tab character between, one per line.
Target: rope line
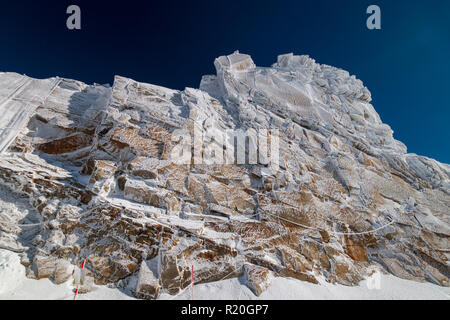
332	232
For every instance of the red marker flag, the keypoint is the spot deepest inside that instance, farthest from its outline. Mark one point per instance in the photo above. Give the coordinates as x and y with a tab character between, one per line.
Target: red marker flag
76	290
192	295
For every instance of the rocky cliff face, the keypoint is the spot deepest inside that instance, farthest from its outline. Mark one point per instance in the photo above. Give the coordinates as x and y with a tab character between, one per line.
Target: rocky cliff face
97	166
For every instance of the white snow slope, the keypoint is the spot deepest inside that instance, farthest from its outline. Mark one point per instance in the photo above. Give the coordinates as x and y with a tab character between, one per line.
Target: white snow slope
19	97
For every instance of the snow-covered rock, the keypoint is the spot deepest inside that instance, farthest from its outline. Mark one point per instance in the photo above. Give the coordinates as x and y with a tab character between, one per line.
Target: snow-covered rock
105	174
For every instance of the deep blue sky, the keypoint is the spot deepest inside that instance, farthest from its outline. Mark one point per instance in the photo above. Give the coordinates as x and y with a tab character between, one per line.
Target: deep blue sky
173	43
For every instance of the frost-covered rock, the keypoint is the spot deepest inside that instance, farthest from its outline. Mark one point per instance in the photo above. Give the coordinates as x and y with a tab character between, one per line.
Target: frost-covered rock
101	177
148	286
58	270
257	278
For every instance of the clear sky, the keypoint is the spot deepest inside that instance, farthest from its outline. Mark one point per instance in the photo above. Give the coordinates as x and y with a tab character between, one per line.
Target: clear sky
173	43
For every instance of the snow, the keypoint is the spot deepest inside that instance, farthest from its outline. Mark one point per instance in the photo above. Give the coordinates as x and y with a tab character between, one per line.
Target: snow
19	97
391	288
15	286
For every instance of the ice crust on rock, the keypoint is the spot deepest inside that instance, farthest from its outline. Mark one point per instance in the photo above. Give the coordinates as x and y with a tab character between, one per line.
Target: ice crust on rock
95	166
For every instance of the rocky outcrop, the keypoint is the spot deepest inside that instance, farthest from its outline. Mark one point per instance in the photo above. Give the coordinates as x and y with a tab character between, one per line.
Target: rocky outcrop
257	278
59	270
148	285
118	176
